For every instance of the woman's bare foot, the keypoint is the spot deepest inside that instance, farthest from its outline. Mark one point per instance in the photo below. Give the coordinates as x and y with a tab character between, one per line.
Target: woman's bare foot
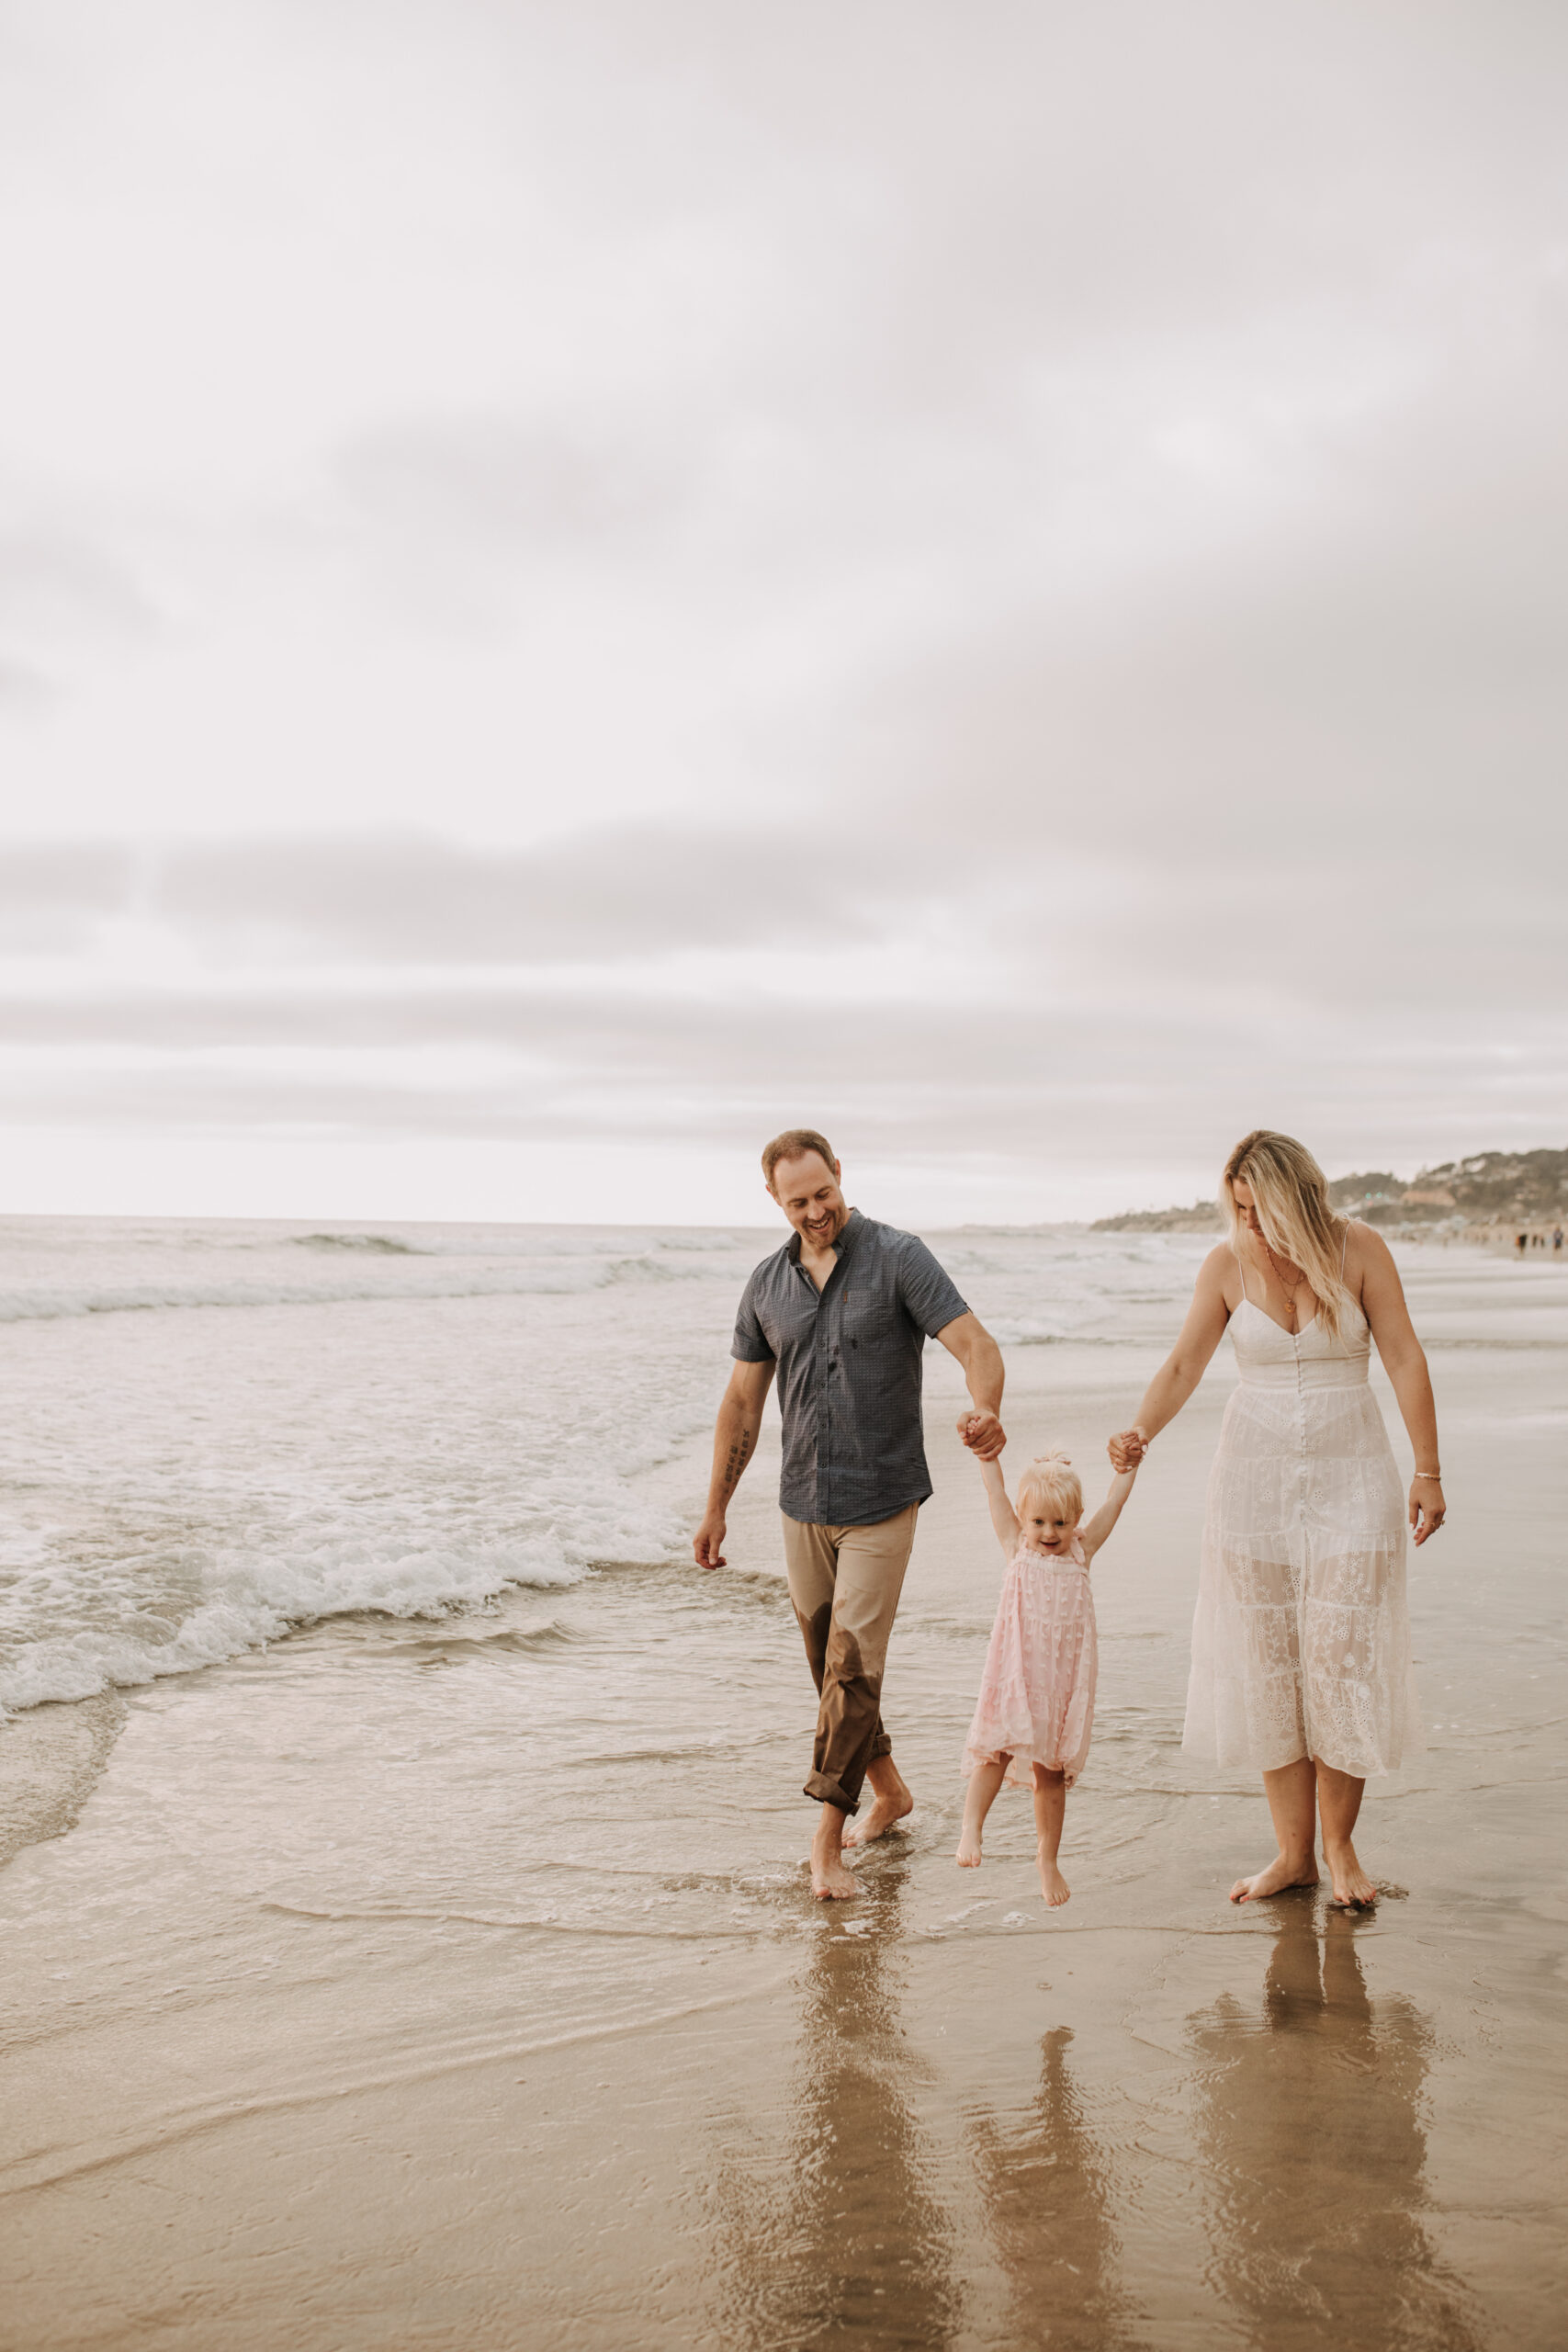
1352	1888
1281	1873
968	1848
830	1881
1053	1885
889	1802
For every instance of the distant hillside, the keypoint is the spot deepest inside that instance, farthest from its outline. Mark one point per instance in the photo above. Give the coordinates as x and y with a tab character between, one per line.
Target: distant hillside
1522	1188
1493	1188
1203	1216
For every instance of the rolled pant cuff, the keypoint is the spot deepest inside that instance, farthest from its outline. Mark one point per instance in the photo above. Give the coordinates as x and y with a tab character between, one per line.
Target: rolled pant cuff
826	1792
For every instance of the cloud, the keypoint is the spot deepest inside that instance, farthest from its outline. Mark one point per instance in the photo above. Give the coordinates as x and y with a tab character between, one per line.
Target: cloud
633	984
66	597
994	577
1007	1095
599	898
51	578
55	895
461	518
503	481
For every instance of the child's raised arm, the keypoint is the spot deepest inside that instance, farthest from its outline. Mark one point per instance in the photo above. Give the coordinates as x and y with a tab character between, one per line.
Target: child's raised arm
1097	1529
1003	1518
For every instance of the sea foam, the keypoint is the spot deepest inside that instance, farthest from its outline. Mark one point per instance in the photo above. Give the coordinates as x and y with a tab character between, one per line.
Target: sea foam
426	1416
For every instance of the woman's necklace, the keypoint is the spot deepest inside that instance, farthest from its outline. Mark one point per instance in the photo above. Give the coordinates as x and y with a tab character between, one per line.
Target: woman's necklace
1289	1289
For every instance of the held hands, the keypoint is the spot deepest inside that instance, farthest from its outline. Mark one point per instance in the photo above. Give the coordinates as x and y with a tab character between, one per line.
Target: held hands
1126	1450
707	1544
983	1434
1428	1510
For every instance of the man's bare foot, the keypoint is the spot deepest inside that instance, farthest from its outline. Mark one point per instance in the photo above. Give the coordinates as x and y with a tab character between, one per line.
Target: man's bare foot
830	1881
1353	1889
968	1848
1053	1885
889	1804
1279	1874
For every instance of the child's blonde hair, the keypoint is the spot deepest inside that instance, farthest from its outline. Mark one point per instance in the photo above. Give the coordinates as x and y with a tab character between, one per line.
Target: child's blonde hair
1051	1483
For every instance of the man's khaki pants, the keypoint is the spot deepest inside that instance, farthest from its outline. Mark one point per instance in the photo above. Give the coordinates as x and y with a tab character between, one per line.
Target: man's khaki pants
845	1582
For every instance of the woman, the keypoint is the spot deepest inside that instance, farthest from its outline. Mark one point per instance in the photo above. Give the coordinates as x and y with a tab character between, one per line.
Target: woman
1301	1645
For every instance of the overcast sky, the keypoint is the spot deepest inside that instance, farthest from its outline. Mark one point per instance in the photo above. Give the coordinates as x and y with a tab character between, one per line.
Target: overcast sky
582	582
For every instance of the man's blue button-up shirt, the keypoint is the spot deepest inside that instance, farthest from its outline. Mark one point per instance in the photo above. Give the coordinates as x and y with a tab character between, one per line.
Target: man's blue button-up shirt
849	1360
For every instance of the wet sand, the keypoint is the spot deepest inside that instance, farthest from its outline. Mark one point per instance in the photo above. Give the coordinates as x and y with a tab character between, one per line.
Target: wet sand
49	1759
367	2003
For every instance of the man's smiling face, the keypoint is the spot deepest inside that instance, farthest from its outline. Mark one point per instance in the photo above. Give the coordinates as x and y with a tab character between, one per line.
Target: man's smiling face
807	1190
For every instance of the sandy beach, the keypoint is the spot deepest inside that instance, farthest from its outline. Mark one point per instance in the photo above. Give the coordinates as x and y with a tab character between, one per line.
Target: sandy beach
581	580
454	1981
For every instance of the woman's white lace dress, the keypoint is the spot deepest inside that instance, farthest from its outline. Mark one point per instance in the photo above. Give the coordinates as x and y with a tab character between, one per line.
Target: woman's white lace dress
1301	1645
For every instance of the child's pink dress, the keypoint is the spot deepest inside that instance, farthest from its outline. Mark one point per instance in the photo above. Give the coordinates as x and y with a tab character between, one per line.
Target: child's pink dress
1037	1701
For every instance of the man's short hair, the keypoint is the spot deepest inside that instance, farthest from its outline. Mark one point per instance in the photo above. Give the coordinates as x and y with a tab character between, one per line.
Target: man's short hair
794	1143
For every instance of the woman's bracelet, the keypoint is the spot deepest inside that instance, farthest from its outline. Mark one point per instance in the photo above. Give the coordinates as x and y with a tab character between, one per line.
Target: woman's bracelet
1428	1473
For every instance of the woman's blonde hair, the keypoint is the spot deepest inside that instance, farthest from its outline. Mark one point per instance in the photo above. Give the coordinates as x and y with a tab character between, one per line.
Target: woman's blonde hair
1289	1192
1051	1481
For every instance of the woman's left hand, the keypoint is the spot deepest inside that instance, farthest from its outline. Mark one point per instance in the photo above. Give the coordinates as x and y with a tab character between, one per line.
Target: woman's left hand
1427	1508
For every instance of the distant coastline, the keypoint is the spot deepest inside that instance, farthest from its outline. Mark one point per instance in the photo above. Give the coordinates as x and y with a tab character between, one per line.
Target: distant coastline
1491	1196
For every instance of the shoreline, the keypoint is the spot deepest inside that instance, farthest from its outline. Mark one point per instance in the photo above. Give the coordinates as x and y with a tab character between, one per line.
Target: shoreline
53	1753
51	1757
351	2010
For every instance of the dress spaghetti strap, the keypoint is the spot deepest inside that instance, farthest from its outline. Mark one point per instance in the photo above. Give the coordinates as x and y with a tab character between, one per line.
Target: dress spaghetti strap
1344	1246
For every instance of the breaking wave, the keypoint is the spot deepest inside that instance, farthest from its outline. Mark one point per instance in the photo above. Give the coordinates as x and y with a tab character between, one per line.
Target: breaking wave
377	1244
539	1280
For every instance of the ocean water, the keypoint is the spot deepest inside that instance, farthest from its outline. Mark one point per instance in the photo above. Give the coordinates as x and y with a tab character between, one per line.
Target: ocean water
219	1432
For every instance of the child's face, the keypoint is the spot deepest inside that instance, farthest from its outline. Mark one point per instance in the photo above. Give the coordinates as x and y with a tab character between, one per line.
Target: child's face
1046	1531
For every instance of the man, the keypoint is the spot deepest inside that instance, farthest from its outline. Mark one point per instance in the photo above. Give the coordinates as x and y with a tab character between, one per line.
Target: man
842	1313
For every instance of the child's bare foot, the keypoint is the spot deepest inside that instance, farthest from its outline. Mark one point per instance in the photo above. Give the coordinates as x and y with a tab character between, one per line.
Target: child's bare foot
968	1848
830	1881
1053	1885
890	1804
1352	1887
1281	1873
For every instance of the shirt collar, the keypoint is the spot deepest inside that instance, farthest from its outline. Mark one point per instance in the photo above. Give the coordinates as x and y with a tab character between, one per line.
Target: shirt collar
842	1247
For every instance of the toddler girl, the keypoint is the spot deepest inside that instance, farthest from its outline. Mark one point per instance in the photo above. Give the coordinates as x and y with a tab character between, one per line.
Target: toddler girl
1037	1703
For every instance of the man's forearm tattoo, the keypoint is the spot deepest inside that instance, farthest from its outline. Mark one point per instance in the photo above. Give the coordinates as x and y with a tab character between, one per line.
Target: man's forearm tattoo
735	1461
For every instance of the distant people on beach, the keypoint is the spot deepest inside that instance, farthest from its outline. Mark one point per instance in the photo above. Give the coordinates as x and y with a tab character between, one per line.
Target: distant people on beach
841	1314
1035	1711
1522	1244
1556	1238
1301	1643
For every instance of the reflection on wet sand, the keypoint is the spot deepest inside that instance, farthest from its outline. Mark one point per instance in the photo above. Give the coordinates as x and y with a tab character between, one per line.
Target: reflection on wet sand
831	2228
1044	2183
1310	2128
